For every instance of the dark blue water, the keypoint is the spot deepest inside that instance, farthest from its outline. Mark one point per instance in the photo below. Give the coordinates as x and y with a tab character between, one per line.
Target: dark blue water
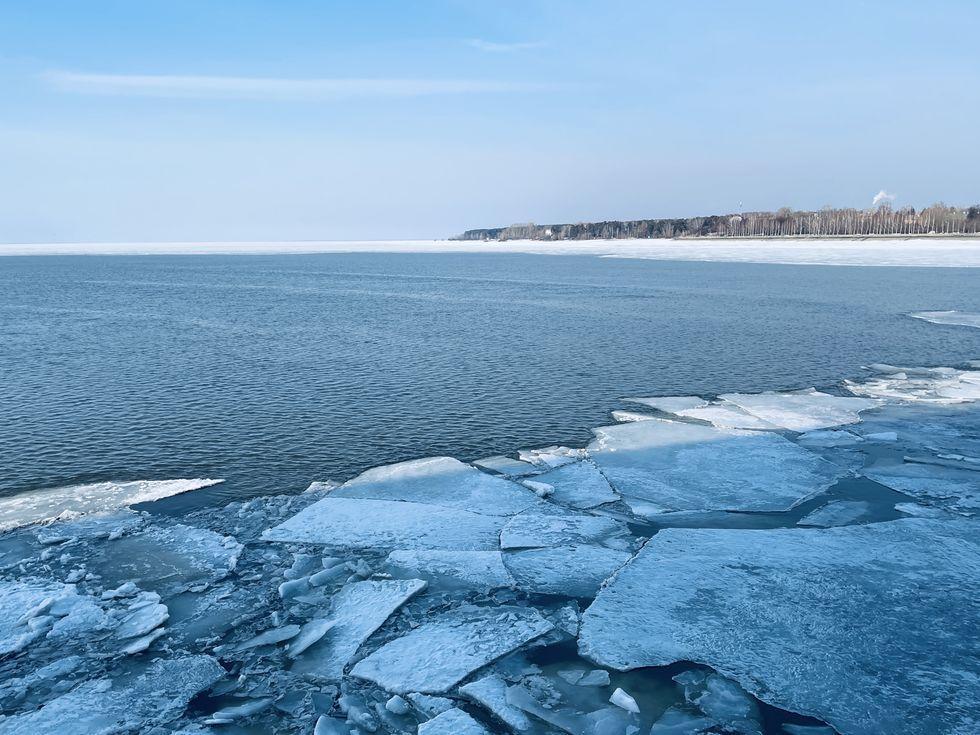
272	371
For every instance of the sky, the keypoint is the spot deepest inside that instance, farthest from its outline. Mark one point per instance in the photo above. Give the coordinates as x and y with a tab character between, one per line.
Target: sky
230	120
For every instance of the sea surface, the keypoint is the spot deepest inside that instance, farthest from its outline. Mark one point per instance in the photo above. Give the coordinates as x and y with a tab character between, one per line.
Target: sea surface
275	370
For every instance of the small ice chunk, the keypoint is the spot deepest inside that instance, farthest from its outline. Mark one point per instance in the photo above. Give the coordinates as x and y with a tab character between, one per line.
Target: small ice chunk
921	511
801	410
142	620
677	721
440	481
624	417
828	438
90	527
573	571
429	706
579	485
310	633
270	637
551	456
226	715
533	530
625	701
303	566
837	513
507	466
882	436
491	693
141	644
448	647
681	466
397	706
671	404
326	725
595	678
129	589
475	569
329	575
452	722
294	587
358	610
339	522
99	497
541	489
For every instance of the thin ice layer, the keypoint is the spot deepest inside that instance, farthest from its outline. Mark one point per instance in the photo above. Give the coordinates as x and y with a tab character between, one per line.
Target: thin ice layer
579	485
98	497
803	410
475	569
870	628
954	490
726	416
507	466
838	513
447	648
441	481
671	404
572	571
958	318
133	702
388	524
357	610
673	466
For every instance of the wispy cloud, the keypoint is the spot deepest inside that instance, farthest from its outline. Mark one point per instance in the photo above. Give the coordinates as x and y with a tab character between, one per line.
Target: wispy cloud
500	47
215	87
881	197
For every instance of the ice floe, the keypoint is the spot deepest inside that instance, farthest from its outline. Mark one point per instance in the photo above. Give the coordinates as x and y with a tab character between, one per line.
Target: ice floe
473	569
671	466
748	603
801	410
507	466
98	497
958	318
452	722
837	513
448	647
537	530
579	485
491	693
954	490
572	571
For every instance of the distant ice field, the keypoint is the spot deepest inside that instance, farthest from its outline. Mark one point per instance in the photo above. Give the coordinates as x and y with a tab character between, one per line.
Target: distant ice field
919	252
271	371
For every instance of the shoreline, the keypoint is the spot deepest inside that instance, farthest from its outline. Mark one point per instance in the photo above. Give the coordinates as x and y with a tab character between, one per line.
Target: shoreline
921	251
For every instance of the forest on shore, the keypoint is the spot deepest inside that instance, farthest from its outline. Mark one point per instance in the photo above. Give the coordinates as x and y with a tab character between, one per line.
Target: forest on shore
939	219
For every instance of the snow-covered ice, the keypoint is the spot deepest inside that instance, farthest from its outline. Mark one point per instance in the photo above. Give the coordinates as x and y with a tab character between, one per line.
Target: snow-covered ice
507	466
474	569
534	530
954	490
726	416
452	722
98	497
579	485
679	466
801	410
491	693
441	481
448	647
572	571
354	523
858	626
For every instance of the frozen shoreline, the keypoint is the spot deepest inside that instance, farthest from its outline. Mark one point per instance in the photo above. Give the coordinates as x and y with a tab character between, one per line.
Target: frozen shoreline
907	252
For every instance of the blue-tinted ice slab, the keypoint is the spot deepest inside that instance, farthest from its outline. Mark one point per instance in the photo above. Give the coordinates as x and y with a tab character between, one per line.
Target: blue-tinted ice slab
441	481
491	693
31	609
958	318
671	404
802	410
671	466
452	722
579	485
134	702
536	530
98	497
473	569
448	647
351	523
870	628
953	490
507	466
357	611
726	416
837	513
573	571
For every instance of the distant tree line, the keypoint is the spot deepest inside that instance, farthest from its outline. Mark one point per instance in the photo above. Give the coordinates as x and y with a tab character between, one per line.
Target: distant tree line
827	222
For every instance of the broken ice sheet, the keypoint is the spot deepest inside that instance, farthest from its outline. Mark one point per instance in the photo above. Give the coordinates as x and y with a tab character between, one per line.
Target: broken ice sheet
452	722
98	497
925	385
91	527
838	513
31	609
954	490
671	404
681	466
449	646
135	701
726	416
536	530
507	466
440	481
801	410
579	485
491	693
747	603
389	524
572	571
483	570
357	611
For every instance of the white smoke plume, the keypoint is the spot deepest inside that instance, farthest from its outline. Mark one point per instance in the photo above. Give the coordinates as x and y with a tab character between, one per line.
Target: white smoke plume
882	197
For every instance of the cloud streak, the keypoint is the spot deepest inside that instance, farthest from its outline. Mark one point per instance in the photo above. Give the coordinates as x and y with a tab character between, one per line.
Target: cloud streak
265	88
503	47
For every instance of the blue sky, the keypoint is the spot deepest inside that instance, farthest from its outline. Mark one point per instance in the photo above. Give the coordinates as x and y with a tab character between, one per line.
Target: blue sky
239	120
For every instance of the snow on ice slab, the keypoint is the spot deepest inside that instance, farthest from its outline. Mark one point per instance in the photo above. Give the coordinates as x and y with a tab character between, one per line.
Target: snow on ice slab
726	416
357	611
535	530
871	628
954	490
673	466
43	505
447	648
959	318
137	701
507	466
579	485
452	722
388	524
441	481
920	385
573	571
474	569
801	411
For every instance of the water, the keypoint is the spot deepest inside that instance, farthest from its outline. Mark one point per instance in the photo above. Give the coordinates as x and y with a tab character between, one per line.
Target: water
272	371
